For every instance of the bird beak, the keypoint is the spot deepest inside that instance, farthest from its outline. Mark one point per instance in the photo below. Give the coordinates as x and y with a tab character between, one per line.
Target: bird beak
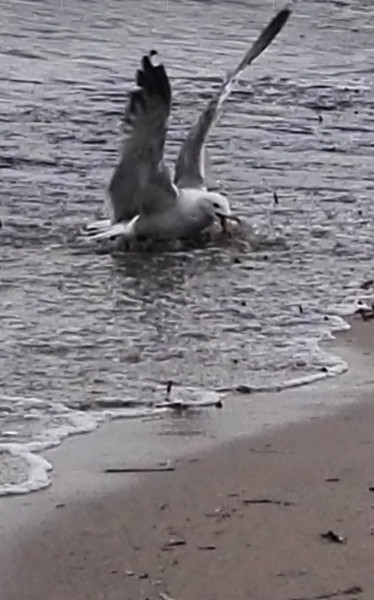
223	220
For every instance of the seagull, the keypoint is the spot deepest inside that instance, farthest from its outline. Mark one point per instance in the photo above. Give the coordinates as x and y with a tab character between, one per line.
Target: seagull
145	203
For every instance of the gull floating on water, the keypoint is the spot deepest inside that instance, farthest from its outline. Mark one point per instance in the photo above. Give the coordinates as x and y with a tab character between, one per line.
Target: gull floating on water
144	202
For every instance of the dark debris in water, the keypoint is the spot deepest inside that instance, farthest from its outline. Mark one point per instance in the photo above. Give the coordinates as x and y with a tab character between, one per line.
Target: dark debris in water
244	389
366	313
108	404
19	161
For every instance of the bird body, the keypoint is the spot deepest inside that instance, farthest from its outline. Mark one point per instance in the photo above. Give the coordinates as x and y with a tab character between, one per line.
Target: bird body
194	211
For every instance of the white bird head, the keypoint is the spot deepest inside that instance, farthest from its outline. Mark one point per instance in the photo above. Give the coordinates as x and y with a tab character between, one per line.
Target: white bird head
219	203
221	208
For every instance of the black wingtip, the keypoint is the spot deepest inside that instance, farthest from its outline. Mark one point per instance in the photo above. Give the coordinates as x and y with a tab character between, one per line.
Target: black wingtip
285	13
152	84
270	32
153	78
281	18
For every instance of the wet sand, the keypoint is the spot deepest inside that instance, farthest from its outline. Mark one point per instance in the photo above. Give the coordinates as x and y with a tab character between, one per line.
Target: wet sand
242	521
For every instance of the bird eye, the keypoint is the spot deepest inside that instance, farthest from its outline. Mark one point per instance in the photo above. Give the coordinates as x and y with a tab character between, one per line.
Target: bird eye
215	204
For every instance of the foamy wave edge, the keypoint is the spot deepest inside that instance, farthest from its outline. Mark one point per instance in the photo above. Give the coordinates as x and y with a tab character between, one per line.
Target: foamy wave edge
82	422
39	468
38	475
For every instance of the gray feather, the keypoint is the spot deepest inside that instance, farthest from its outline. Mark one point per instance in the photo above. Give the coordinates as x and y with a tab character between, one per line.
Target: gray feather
190	168
141	182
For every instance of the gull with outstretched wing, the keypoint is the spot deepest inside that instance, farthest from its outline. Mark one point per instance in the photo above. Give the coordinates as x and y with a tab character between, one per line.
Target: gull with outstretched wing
144	201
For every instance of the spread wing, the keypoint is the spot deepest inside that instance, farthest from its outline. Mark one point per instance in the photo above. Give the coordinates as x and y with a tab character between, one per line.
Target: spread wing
190	166
141	182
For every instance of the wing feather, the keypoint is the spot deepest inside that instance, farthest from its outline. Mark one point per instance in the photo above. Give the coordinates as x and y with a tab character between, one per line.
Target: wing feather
141	182
190	166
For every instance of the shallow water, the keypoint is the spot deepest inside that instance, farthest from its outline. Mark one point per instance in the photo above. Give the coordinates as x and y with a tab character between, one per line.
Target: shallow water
79	325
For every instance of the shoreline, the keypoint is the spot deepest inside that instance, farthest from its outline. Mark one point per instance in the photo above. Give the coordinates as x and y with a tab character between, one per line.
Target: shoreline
41	469
83	499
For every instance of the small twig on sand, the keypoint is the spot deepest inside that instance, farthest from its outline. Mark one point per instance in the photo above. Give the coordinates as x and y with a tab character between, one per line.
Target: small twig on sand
267	501
165	596
331	536
352	591
138	469
173	543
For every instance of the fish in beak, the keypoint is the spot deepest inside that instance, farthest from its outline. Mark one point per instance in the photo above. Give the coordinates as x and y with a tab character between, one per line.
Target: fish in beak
224	225
222	211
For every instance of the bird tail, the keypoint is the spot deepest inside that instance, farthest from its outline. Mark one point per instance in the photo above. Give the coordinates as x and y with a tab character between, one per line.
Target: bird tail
108	231
96	226
111	232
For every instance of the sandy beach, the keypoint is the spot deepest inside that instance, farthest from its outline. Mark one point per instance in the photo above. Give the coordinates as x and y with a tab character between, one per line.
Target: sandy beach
288	514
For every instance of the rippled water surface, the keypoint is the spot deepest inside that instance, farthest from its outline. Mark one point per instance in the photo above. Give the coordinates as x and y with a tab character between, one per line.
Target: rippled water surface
78	325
